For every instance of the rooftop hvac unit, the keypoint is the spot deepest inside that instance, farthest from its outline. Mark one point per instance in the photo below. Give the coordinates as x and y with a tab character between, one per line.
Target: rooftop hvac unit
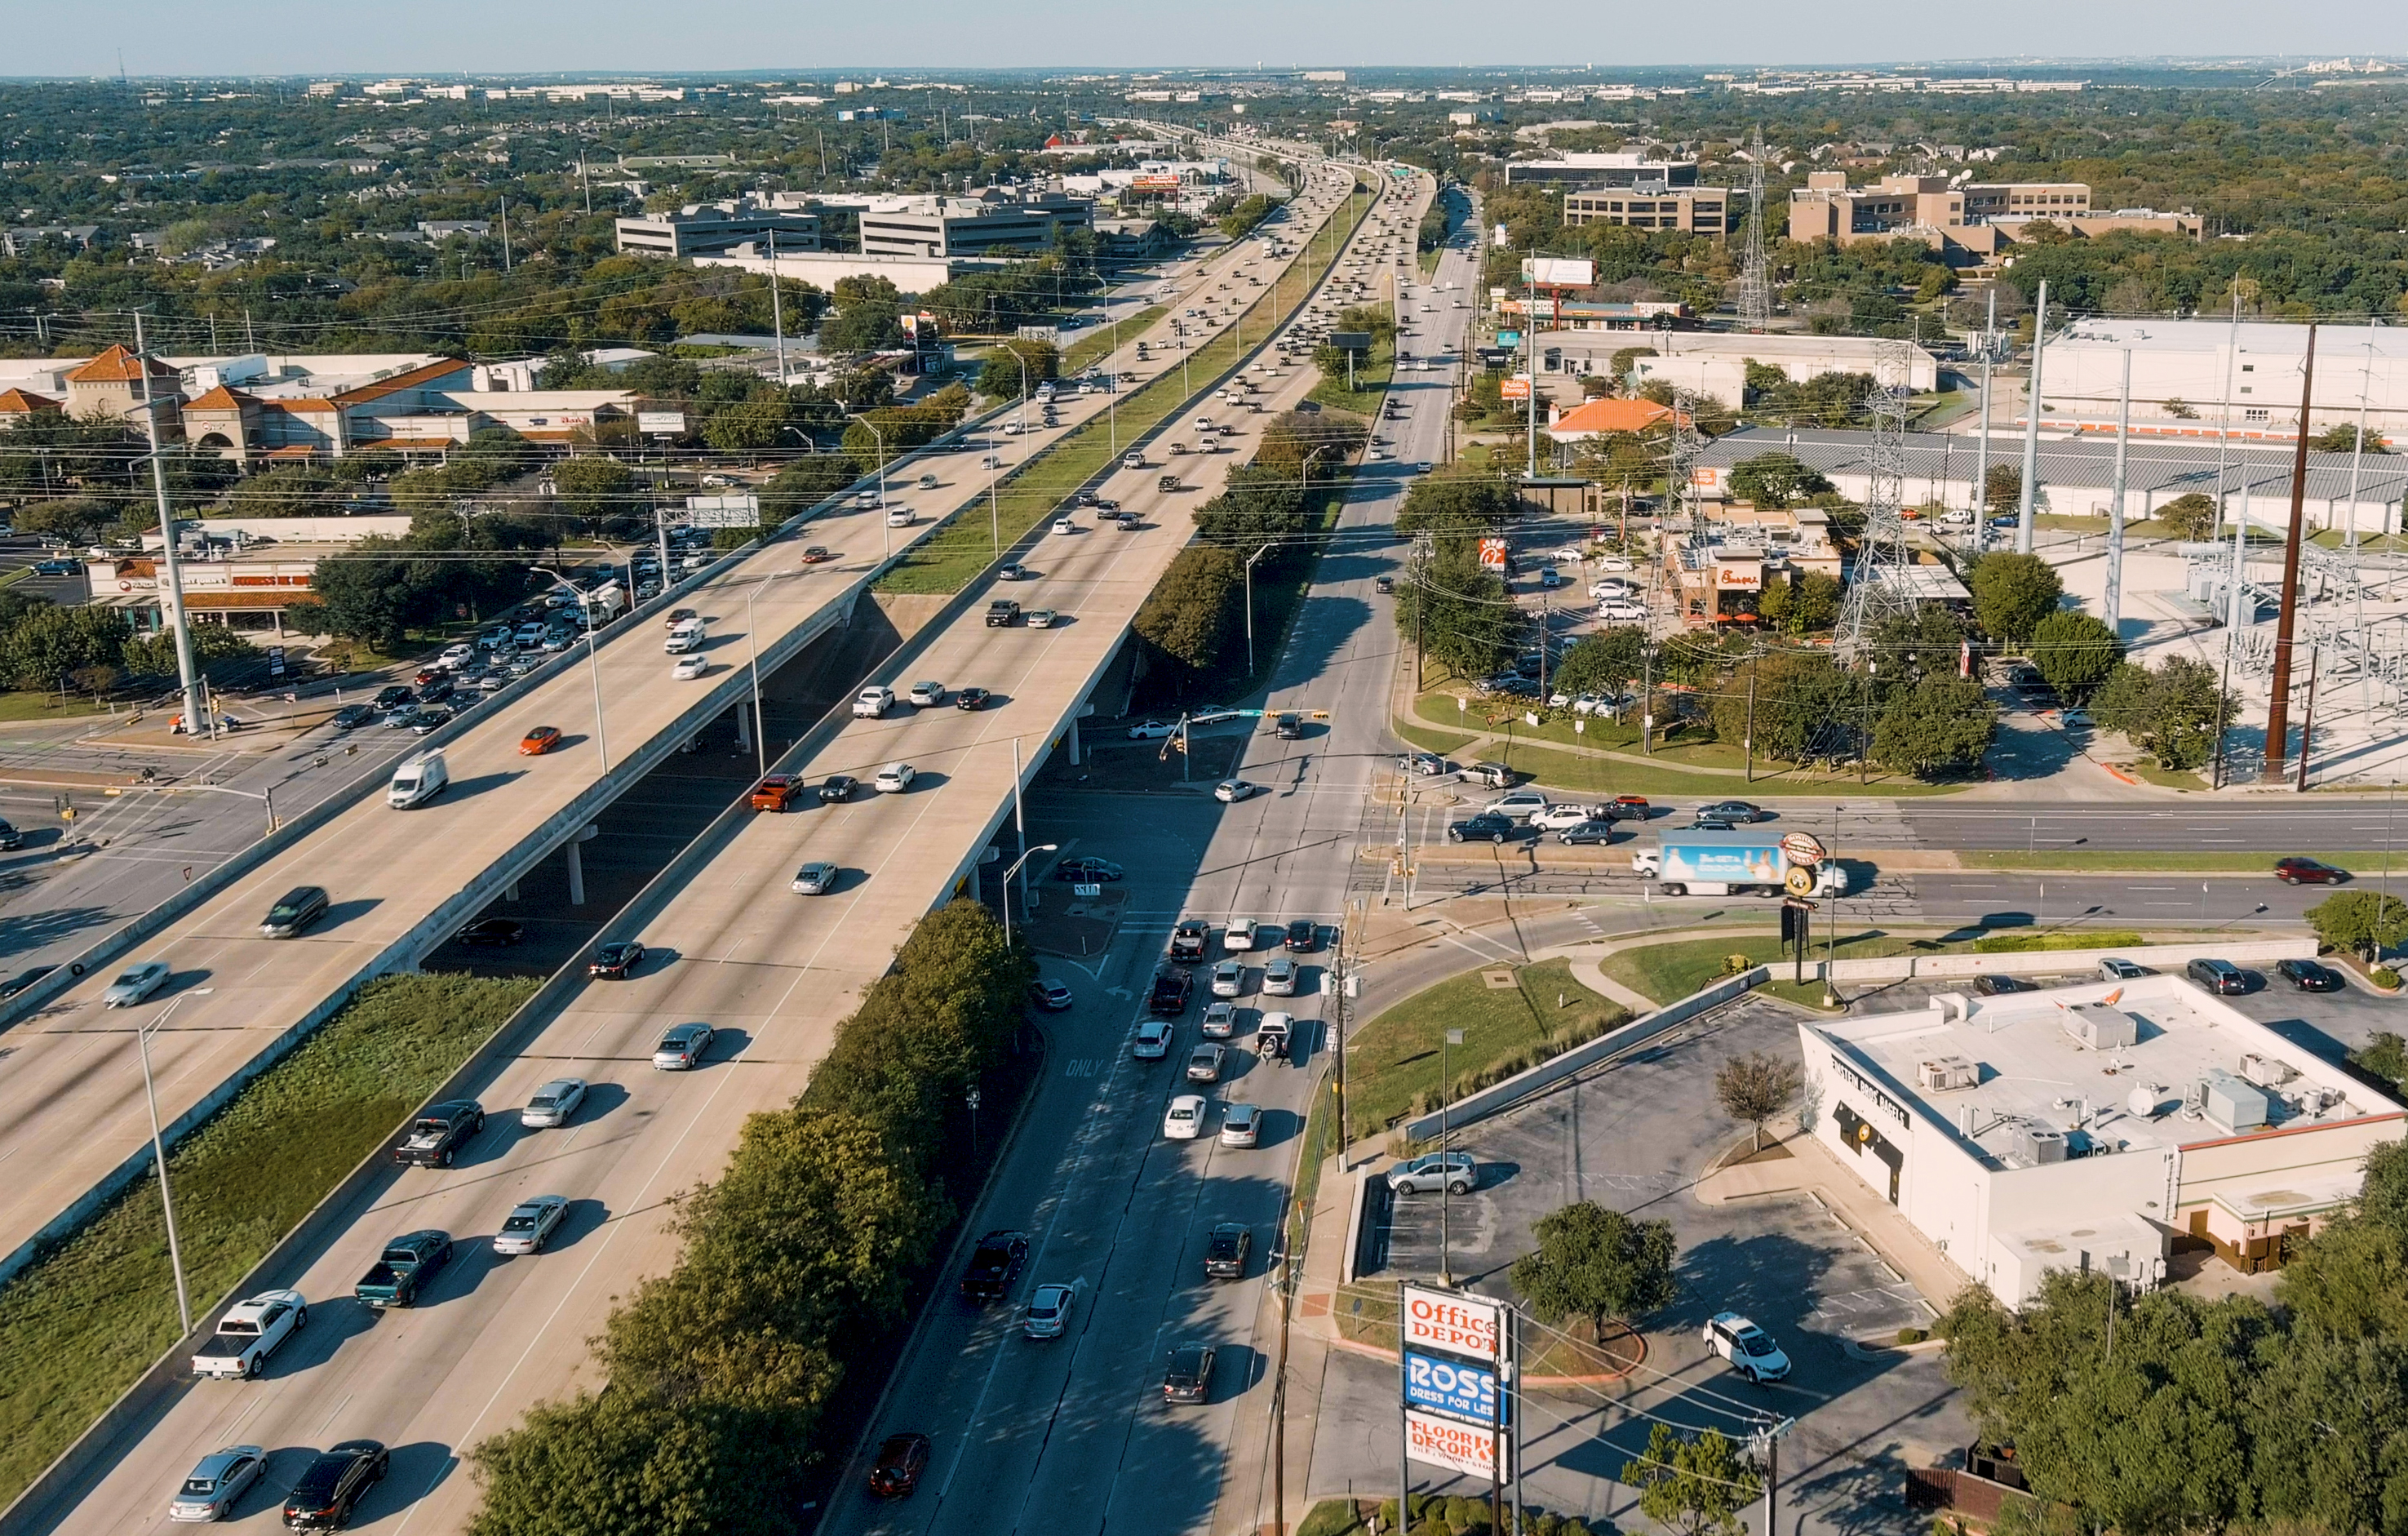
2097	1026
1942	1073
2267	1071
2039	1145
2231	1103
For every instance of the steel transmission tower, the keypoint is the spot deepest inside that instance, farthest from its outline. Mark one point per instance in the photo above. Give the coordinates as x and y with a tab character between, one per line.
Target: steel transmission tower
1878	585
1754	274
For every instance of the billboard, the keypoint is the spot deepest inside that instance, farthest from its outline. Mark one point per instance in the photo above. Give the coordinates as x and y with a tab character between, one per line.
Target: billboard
1156	182
666	424
1492	557
1448	1320
1515	388
1558	272
736	511
1444	1442
1351	342
1450	1386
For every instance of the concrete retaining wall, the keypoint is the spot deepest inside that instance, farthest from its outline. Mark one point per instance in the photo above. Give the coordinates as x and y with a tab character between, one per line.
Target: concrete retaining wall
2253	952
1546	1074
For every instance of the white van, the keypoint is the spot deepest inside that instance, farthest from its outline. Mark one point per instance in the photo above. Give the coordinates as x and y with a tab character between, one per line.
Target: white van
417	781
688	635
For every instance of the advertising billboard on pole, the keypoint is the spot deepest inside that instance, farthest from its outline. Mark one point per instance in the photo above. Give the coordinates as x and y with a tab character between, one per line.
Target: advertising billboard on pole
733	511
1444	1442
1558	272
1446	1320
1458	1387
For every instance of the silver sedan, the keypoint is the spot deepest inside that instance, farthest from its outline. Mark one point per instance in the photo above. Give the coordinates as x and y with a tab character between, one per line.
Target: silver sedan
530	1225
554	1103
135	983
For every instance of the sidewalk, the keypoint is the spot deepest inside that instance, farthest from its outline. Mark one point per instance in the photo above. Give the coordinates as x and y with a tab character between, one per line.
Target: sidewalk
1813	1169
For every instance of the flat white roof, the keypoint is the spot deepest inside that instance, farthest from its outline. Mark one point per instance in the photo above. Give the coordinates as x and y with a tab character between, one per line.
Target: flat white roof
2337	346
2030	1070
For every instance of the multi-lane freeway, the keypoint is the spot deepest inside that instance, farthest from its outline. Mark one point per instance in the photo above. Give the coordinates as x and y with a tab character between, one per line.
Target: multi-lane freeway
732	945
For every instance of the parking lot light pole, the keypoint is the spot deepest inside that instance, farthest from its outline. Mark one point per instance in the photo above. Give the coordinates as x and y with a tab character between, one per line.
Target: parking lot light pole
752	659
593	655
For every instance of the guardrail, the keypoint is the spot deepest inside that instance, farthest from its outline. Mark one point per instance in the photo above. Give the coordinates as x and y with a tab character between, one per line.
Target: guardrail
1555	1068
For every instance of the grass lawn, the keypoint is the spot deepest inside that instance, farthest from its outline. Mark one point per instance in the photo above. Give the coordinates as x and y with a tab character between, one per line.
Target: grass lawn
11	578
1584	775
16	707
1366	1313
1392	1063
1691	743
1088	350
83	1324
1670	971
1442	742
2149	773
1371	379
2109	858
953	557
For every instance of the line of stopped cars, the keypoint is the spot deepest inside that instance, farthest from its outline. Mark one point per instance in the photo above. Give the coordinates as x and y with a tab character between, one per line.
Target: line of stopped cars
329	1486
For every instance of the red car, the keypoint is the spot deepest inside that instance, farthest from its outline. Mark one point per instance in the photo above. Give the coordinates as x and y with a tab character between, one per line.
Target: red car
1628	808
539	740
778	792
900	1462
2307	872
815	554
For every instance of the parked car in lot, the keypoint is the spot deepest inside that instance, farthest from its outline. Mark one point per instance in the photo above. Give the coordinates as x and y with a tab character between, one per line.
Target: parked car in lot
2221	977
1453	1172
2114	968
900	1462
248	1333
1088	872
1749	1349
994	1265
530	1225
217	1483
682	1047
555	1104
2308	975
1999	987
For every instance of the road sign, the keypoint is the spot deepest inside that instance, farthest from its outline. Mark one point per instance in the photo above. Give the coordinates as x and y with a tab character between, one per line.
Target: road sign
733	512
661	423
1086	890
1802	848
1492	553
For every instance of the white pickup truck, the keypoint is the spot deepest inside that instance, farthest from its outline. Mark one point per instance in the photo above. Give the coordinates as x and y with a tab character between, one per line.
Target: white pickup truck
249	1332
872	703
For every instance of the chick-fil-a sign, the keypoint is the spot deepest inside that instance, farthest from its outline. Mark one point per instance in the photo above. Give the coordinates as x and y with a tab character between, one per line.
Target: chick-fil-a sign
1459	1325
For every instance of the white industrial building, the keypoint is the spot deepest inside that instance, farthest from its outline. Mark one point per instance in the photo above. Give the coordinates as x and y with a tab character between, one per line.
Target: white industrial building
2180	368
1713	364
2092	1127
2077	476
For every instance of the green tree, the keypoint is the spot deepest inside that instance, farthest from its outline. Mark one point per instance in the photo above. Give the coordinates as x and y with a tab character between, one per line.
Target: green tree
1594	1262
72	520
750	426
214	645
1257	504
1775	479
1939	725
2190	516
1693	1484
2173	713
627	1464
1193	610
2002	489
1455	506
46	646
869	316
290	490
1798	696
1756	1087
1458	611
2365	923
1016	366
2343	439
2013	593
593	486
805	482
2075	653
1604	662
1927	642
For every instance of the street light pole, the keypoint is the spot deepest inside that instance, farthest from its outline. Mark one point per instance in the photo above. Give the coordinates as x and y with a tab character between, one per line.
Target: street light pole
1250	605
1040	848
1445	1169
753	657
885	535
159	1160
593	655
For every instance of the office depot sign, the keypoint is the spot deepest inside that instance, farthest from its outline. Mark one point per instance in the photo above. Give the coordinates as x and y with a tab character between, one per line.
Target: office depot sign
1457	1323
1443	1442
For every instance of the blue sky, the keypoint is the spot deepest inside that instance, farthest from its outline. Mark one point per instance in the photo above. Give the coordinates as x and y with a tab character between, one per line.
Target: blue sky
280	36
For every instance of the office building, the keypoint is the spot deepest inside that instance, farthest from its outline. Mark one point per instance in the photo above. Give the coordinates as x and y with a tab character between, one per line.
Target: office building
1593	172
2181	368
1021	225
1702	211
713	228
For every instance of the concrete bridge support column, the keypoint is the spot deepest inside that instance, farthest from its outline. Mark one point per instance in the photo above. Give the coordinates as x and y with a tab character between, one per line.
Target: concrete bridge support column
744	724
577	863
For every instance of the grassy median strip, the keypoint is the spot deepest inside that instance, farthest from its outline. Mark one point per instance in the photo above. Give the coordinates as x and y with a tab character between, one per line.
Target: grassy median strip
951	558
1370	381
1087	352
84	1321
1669	972
2365	865
1393	1063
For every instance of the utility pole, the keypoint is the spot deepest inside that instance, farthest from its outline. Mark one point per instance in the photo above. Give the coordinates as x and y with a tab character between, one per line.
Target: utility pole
506	234
172	606
777	310
2031	428
1982	450
2278	706
1747	742
2114	605
2308	721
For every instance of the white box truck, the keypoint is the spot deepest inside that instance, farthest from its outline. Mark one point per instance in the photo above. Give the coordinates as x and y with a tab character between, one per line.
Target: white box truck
1739	862
418	781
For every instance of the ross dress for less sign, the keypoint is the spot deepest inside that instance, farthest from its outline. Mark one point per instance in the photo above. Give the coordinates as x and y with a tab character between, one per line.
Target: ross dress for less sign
1450	1322
1444	1442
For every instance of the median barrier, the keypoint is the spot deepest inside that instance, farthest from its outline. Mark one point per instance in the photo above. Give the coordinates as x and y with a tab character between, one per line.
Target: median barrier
1556	1069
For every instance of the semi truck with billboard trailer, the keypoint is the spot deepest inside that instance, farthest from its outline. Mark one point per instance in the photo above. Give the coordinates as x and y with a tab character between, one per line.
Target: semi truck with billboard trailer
1739	862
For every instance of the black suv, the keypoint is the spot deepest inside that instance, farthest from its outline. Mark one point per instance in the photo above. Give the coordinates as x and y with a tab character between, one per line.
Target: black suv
333	1483
2308	975
1290	727
1169	999
2221	977
994	1265
1187	1375
1484	828
1225	1251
